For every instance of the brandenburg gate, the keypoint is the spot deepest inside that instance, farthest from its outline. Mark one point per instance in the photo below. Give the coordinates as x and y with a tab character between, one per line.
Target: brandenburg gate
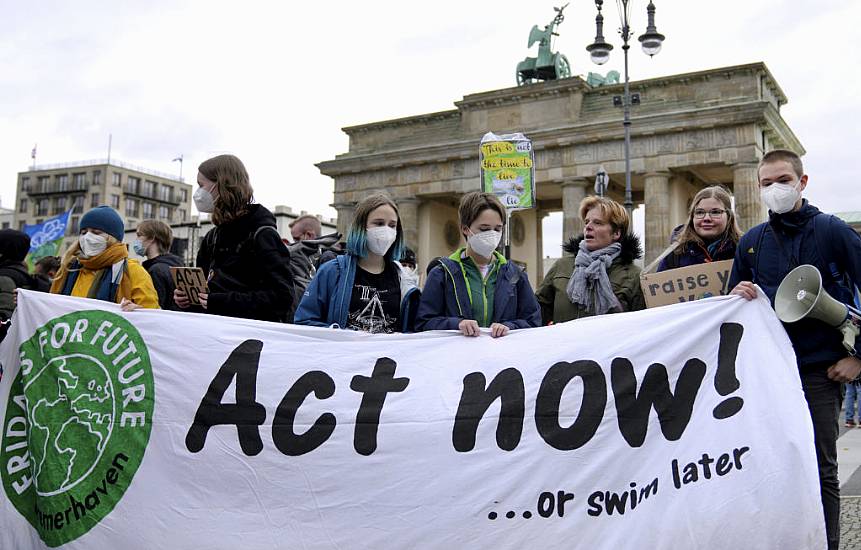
689	131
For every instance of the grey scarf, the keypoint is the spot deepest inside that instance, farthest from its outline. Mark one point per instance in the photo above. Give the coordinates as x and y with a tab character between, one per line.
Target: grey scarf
589	286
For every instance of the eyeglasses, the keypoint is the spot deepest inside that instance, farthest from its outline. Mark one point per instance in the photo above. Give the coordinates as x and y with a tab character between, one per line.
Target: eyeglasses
713	213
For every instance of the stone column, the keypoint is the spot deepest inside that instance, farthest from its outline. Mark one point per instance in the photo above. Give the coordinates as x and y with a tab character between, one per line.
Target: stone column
345	216
748	208
408	209
657	201
573	191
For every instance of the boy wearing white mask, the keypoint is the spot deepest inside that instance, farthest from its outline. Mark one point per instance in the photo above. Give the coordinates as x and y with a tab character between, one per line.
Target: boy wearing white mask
98	265
797	233
365	289
476	286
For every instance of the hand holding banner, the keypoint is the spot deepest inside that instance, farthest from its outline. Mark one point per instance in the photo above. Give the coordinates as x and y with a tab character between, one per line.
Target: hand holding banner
159	429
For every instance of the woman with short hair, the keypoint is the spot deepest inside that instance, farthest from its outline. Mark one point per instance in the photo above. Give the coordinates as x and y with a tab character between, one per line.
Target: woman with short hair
599	275
153	243
243	257
476	286
365	289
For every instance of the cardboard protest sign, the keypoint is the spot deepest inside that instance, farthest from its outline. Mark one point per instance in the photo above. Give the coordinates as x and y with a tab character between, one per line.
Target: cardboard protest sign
161	429
507	169
191	281
686	284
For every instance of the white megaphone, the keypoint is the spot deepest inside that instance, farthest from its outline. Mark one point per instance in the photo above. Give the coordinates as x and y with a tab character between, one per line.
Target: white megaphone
801	295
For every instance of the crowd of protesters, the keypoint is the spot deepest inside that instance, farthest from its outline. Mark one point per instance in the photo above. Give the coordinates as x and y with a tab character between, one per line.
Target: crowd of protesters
370	282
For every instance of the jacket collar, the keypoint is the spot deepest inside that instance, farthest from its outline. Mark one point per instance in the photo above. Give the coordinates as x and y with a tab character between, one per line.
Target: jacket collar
631	249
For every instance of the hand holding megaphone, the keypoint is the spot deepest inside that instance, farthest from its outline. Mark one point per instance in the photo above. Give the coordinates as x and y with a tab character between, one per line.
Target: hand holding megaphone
801	295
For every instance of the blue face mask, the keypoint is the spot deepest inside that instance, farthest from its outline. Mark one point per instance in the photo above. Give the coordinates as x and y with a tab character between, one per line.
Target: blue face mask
139	248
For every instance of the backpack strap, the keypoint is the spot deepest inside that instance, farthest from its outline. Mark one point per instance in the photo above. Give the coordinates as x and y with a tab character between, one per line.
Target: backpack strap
824	244
252	237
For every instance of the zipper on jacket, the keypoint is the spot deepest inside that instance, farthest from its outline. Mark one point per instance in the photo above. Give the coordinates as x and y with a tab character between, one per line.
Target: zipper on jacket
454	287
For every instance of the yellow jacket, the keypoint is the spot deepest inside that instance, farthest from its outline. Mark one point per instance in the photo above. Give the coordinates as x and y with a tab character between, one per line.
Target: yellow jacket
136	284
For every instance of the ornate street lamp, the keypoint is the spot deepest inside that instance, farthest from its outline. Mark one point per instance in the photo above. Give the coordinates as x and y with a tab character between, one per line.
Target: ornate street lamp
599	51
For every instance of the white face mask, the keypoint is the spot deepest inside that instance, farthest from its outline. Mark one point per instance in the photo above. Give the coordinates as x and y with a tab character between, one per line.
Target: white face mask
484	243
203	200
380	239
92	245
780	198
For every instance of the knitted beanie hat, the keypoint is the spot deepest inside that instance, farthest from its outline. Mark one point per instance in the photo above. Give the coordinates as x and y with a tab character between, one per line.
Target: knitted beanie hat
105	219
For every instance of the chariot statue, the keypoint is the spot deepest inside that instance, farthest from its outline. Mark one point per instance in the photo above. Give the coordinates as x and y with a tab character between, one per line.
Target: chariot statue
548	65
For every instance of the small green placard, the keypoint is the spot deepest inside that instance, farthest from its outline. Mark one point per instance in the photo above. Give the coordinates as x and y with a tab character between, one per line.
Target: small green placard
508	169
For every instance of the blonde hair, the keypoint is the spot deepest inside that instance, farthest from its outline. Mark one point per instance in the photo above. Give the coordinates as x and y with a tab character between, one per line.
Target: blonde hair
731	231
612	210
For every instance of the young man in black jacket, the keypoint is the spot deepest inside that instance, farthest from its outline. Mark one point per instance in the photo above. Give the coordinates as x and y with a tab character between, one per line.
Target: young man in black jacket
797	233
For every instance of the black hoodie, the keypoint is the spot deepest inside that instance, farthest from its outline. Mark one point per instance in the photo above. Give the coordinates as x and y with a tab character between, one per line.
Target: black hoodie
159	271
769	251
248	271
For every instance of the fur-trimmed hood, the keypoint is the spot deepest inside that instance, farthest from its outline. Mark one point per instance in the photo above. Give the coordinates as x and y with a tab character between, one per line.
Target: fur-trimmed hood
631	249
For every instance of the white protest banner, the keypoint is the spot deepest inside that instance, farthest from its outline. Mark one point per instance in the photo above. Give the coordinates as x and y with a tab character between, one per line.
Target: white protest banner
678	427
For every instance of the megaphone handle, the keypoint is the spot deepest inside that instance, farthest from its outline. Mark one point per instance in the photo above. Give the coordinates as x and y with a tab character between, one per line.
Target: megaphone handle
850	332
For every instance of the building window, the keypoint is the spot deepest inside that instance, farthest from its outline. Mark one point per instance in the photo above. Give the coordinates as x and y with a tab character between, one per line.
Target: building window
74	222
96	200
39	220
22	207
115	202
164	213
97	177
181	215
59	205
43	184
132	208
183	194
78	180
63	182
132	185
149	189
25	184
42	207
147	210
5	225
116	179
165	192
78	206
21	225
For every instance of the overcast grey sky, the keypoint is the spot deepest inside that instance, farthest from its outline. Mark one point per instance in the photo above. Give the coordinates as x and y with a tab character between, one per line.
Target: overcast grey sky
273	82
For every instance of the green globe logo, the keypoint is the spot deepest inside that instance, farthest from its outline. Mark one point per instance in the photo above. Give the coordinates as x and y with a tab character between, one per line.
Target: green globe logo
69	429
77	422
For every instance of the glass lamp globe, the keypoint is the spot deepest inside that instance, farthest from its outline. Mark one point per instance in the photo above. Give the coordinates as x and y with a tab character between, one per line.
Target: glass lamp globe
599	53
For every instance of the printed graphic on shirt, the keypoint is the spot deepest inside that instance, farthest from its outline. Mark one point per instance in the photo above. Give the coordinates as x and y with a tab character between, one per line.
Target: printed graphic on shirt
372	317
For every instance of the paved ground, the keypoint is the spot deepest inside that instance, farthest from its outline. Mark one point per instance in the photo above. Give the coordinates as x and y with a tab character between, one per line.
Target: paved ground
850	523
849	459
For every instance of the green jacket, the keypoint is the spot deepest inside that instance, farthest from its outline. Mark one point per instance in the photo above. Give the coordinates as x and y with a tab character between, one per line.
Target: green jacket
480	289
624	275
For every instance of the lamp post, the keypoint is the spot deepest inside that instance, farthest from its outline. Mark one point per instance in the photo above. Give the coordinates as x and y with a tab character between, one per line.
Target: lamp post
179	159
599	51
601	181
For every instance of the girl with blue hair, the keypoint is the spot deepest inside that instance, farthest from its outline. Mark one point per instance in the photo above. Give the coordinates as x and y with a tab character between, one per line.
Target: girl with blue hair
366	288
